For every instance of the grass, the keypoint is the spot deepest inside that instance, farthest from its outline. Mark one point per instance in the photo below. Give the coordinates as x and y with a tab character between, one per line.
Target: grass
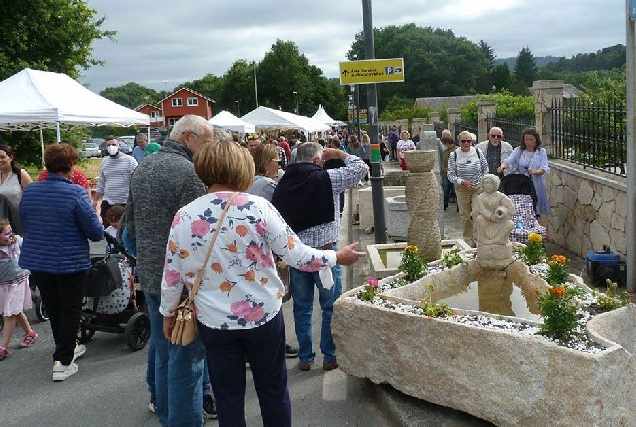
89	166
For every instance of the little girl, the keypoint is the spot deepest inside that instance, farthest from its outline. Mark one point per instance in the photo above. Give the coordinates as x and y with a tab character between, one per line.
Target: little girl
15	295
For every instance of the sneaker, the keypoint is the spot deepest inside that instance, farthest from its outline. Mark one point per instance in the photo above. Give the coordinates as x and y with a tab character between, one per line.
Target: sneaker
152	406
3	353
209	407
290	351
80	349
28	339
62	372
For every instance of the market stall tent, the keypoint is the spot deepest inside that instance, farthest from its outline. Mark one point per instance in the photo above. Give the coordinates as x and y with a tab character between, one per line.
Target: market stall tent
35	100
229	121
265	118
322	116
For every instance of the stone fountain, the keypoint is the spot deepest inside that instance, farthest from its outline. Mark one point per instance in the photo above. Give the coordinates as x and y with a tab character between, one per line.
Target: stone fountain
501	376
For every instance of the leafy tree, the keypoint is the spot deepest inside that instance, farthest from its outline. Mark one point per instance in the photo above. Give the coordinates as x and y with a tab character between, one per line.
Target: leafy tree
436	62
501	78
209	85
238	89
131	95
49	35
526	67
485	81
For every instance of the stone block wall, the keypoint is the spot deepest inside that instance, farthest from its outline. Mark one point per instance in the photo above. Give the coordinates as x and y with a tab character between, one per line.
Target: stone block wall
589	208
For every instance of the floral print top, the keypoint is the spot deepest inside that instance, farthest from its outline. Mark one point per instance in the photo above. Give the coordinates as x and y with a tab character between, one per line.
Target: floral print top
240	287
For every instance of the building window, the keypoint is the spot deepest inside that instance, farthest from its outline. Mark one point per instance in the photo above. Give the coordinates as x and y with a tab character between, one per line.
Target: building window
177	102
171	122
193	102
154	114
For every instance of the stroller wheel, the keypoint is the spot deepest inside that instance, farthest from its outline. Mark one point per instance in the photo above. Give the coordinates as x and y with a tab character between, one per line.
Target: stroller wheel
40	310
137	331
84	334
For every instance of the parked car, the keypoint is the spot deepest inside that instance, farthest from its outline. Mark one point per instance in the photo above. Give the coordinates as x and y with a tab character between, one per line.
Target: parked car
128	140
125	148
90	149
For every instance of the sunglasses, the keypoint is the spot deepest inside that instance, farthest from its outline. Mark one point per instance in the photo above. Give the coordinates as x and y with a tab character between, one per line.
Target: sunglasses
465	140
497	136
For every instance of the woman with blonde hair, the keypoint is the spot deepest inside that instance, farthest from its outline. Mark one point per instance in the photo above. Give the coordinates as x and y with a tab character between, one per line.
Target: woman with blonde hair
266	160
238	304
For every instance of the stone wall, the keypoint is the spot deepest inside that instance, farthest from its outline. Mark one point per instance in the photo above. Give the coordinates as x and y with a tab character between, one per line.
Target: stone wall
589	208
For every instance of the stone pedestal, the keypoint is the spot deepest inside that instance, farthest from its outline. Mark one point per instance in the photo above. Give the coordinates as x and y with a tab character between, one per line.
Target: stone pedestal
422	195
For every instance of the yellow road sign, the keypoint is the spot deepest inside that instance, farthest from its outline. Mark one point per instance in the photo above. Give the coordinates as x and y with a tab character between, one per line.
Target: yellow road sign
372	71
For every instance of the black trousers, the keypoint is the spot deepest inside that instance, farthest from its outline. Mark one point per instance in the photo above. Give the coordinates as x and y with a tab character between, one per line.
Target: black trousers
62	296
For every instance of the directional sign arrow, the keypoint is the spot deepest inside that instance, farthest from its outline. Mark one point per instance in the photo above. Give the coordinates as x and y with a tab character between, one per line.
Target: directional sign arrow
345	72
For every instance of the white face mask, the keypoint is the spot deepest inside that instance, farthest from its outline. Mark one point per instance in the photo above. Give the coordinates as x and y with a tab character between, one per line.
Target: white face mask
112	150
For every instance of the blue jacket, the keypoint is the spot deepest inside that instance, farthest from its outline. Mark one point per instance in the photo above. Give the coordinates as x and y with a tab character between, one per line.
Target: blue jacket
58	218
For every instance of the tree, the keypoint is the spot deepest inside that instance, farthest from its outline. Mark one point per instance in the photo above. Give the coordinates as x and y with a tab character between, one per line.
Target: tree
526	68
436	62
48	35
131	95
501	77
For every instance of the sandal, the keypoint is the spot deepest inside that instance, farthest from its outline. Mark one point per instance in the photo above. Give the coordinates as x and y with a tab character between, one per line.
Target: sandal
28	339
3	353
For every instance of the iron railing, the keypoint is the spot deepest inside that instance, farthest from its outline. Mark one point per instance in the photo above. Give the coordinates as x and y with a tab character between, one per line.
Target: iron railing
511	128
590	133
460	127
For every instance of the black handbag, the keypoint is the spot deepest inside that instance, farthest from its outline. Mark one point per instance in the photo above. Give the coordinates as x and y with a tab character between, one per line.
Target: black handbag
104	276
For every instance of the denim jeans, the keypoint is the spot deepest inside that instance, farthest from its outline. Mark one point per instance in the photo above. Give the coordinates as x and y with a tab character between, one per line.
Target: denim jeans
302	291
178	374
264	348
447	189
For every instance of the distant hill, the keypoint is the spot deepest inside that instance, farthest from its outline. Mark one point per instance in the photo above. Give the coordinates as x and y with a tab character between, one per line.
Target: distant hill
541	61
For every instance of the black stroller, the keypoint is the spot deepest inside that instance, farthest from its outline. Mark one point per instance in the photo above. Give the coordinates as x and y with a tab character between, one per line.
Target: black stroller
520	189
121	310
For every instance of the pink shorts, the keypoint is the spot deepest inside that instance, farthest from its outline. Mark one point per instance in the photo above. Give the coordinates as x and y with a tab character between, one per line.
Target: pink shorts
15	298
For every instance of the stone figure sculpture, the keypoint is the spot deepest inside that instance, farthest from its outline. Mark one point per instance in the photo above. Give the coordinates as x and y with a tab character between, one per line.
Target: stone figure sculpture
493	223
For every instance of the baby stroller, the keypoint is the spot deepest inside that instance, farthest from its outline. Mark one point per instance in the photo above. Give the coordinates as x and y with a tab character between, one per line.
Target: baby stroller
120	310
520	189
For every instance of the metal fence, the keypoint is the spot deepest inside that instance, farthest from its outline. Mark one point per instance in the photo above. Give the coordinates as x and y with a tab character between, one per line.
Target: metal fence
590	133
460	127
511	128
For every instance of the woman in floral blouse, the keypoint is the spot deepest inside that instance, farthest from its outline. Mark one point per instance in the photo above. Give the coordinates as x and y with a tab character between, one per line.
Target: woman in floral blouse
239	300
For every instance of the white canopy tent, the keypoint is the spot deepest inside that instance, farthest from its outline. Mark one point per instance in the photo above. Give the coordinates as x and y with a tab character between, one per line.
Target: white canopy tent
35	100
267	119
322	116
229	121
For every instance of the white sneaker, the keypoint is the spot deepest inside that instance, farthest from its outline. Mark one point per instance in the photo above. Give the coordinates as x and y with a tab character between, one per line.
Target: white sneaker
80	349
61	372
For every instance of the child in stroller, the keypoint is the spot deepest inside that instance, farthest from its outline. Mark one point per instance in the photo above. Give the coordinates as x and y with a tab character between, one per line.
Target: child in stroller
520	190
119	311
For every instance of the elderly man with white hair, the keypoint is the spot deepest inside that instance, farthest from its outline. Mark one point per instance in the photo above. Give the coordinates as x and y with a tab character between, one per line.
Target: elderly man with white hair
496	150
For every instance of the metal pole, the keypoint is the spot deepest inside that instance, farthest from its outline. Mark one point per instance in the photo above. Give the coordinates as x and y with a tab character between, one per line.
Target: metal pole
358	113
630	223
377	186
255	84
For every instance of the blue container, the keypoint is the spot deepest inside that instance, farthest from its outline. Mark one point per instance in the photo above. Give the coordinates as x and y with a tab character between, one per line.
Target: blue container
603	257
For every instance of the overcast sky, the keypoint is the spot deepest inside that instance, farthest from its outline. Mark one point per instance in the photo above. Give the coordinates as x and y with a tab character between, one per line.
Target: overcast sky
161	44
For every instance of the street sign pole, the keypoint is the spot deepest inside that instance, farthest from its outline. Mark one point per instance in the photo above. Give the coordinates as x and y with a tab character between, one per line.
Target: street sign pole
377	186
630	226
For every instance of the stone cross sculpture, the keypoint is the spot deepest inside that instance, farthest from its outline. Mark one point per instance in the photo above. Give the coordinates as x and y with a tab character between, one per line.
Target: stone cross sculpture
493	213
422	195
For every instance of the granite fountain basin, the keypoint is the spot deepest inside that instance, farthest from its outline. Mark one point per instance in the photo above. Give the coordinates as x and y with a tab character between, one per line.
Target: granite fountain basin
505	378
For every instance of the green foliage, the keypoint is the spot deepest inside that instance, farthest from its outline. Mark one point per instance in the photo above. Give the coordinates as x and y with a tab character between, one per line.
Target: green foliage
608	58
400	108
433	309
533	253
558	270
558	308
49	35
131	95
451	258
610	300
501	77
526	67
412	264
509	106
369	290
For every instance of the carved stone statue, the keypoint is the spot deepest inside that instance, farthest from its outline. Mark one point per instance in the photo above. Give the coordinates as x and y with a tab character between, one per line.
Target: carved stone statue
493	223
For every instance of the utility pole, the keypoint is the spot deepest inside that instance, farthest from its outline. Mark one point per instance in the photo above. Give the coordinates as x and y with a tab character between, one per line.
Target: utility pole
377	186
630	223
255	84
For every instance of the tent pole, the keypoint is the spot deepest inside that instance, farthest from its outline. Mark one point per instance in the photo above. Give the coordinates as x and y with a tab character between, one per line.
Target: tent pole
59	135
42	146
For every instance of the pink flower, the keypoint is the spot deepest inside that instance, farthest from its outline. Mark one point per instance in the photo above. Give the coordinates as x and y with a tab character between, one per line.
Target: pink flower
267	261
171	276
373	282
254	252
239	200
240	308
200	228
260	228
255	314
175	220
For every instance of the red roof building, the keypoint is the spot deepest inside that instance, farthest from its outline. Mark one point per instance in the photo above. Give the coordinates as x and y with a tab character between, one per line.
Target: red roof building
156	118
185	101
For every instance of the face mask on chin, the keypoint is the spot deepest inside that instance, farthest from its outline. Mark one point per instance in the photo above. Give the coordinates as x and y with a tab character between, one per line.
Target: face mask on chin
112	150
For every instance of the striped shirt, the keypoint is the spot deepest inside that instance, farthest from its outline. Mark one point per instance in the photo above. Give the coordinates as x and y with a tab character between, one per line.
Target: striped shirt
341	179
114	178
467	166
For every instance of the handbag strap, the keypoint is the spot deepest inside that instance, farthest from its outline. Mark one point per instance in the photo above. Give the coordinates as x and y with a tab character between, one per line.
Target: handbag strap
201	269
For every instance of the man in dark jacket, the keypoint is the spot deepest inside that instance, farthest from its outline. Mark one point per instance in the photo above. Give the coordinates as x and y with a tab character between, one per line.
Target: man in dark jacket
161	185
307	197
